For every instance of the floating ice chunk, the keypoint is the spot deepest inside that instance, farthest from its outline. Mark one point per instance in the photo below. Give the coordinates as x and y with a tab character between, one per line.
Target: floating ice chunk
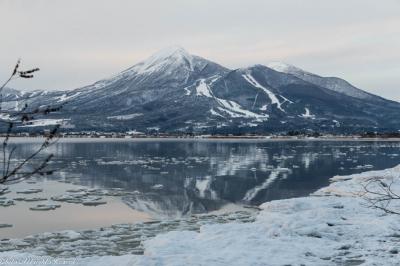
30	191
6	202
30	199
5	225
158	186
45	207
4	189
93	202
367	166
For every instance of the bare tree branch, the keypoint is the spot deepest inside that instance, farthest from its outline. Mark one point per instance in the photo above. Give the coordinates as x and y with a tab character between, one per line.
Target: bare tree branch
379	195
12	118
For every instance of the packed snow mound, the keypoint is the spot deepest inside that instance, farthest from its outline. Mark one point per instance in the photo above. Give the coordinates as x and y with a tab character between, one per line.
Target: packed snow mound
353	185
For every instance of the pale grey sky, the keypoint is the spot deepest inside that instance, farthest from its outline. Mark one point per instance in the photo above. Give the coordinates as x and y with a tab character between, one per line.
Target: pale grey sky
77	42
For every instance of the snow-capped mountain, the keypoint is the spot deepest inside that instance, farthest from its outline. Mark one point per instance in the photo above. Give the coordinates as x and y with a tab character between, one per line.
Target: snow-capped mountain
174	91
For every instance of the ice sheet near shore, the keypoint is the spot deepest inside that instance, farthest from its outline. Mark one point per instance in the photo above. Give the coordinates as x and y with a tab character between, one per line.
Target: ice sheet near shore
331	227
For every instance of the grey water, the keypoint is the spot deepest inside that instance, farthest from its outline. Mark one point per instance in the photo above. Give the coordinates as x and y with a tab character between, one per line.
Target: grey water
172	178
202	176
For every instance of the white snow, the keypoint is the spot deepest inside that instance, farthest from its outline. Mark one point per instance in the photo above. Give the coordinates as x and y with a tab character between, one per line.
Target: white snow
203	90
188	92
337	123
213	112
274	100
236	110
307	114
6	117
285	99
134	132
125	117
284	67
66	97
45	122
232	108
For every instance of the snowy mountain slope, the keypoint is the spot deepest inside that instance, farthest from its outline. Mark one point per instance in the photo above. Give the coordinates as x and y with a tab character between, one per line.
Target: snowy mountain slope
332	83
174	91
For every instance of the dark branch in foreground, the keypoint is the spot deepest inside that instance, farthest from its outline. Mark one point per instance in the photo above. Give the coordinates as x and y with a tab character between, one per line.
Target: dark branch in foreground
380	195
33	164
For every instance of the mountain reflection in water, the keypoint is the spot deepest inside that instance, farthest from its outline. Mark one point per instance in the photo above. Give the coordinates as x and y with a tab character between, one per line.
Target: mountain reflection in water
182	177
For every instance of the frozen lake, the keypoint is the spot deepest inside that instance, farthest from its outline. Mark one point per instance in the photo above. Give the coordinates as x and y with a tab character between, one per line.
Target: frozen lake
159	179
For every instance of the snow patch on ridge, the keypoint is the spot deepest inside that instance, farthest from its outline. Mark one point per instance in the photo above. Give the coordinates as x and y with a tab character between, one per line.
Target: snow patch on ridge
125	117
203	90
45	122
188	92
66	97
284	67
236	110
274	100
232	108
213	112
307	114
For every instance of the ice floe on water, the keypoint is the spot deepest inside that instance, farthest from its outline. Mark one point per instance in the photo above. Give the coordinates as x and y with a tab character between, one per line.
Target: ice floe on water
30	191
120	239
4	189
45	207
50	207
4	202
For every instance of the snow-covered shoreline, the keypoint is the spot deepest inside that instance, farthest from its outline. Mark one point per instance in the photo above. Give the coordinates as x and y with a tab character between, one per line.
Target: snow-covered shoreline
333	226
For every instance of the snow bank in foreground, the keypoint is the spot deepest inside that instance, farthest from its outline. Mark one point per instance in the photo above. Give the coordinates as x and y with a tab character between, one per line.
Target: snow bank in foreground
331	227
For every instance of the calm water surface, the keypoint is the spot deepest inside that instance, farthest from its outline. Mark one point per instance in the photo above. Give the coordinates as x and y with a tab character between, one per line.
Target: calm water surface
173	178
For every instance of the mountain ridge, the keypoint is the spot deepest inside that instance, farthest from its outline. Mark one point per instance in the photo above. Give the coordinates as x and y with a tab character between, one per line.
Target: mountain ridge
174	91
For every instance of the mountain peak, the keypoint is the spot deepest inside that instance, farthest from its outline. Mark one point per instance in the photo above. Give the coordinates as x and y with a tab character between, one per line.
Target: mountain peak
285	68
172	56
171	51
